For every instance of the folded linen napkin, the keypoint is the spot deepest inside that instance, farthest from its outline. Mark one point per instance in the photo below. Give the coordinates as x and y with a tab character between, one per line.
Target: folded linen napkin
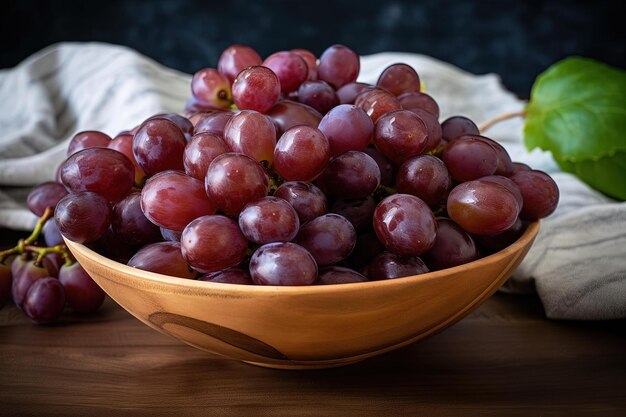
577	265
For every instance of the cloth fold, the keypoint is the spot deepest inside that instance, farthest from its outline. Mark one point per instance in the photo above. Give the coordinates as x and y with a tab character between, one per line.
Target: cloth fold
578	262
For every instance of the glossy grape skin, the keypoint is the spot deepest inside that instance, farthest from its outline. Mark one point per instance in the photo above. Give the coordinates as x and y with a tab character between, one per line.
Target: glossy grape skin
44	301
234	275
399	79
416	100
482	207
211	88
307	199
351	175
504	164
130	223
329	238
45	195
301	154
170	235
158	145
269	219
83	217
386	167
331	275
172	199
52	234
87	139
213	123
426	177
183	123
469	158
212	243
539	191
25	273
456	126
200	151
405	225
290	68
432	127
349	92
338	65
453	246
347	128
100	170
282	263
509	185
233	180
287	114
6	282
162	258
377	103
124	144
236	58
358	212
319	95
81	292
400	135
256	88
387	265
251	133
503	239
311	62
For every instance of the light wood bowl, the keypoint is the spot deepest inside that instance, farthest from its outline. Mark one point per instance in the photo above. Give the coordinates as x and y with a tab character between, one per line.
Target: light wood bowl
304	327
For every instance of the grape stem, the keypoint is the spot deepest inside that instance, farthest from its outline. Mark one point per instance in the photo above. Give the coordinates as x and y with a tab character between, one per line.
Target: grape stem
506	116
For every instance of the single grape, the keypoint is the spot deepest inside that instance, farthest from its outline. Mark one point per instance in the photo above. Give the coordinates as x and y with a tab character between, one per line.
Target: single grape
319	95
301	154
339	65
103	171
399	79
256	88
377	102
211	88
338	275
130	224
163	258
124	144
307	199
45	195
212	243
504	164
503	239
282	263
433	127
469	158
290	68
200	151
44	300
287	114
233	180
453	246
83	217
416	100
426	177
405	225
81	292
456	126
183	123
311	62
347	128
158	145
329	238
236	58
482	207
349	92
52	234
234	275
213	123
172	199
358	212
269	219
351	175
387	265
400	135
251	133
539	191
87	139
387	168
25	273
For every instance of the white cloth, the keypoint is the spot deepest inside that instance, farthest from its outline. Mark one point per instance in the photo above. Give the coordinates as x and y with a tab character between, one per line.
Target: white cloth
577	265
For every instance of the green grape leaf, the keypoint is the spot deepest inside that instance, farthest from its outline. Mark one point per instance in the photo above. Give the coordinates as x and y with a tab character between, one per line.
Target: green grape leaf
577	110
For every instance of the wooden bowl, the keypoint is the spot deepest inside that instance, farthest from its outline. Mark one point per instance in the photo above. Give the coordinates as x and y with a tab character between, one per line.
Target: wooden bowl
304	327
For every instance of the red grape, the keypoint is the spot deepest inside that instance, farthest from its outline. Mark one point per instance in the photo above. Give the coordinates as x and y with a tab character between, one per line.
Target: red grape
163	258
256	88
234	275
236	58
290	68
453	246
45	195
456	126
347	128
87	139
301	154
416	100
269	219
400	135
387	265
319	95
329	238
377	102
351	175
287	114
200	151
282	263
339	65
307	199
399	79
81	292
338	275
83	217
158	145
426	177
540	194
251	133
212	89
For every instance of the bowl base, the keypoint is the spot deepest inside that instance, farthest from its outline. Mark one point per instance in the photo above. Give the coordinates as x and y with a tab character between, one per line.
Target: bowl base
302	366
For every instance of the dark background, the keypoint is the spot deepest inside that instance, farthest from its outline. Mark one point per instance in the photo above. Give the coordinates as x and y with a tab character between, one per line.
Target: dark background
512	38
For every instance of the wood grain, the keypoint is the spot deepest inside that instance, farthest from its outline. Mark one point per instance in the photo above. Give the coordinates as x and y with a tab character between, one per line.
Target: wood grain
503	359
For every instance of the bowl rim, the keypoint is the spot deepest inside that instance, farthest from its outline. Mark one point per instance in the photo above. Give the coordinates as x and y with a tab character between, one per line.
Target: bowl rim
185	284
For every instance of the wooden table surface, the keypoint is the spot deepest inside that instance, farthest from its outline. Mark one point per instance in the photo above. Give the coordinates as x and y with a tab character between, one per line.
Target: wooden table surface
503	359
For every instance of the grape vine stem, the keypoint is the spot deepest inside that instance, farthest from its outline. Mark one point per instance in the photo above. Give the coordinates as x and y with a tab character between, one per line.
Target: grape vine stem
506	116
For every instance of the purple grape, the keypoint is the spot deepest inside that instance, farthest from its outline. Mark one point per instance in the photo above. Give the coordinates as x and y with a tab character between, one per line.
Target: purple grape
399	79
213	123
232	275
130	224
387	265
426	177
311	62
329	238
83	217
331	275
45	195
349	92
283	263
87	139
163	258
339	65
539	191
400	135
319	95
468	158
301	154
25	274
352	175
366	248
269	219
358	212
347	128
183	123
452	246
287	114
81	292
416	100
432	127
503	239
377	102
387	168
308	200
456	126
44	300
51	233
158	145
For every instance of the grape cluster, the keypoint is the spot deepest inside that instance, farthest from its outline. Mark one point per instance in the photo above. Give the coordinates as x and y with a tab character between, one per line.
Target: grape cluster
287	171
